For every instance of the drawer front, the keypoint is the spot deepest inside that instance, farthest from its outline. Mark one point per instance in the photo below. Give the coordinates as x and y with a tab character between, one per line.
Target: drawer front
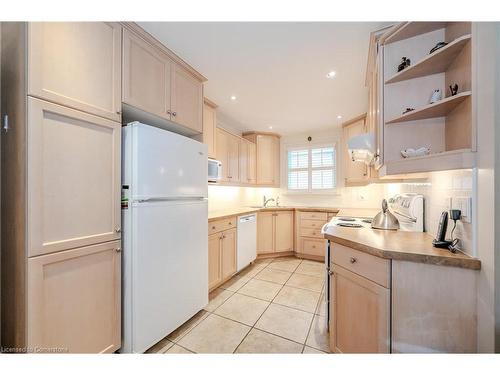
311	232
312	224
371	267
313	247
220	225
313	215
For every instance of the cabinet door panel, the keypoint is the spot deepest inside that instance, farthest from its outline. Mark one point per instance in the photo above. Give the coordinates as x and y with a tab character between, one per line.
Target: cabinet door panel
360	314
283	231
187	99
265	232
209	126
228	253
252	163
234	158
353	171
146	76
265	160
77	64
214	260
243	161
73	178
223	153
74	298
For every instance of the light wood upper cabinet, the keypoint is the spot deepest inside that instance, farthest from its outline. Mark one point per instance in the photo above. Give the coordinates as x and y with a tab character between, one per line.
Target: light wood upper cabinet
354	171
73	178
146	76
227	152
233	158
283	231
214	260
209	127
75	299
243	161
359	313
228	253
252	163
186	99
268	157
265	232
76	64
155	83
266	154
222	153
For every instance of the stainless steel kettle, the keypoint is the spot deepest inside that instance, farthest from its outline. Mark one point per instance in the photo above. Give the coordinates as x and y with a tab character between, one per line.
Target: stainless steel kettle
385	219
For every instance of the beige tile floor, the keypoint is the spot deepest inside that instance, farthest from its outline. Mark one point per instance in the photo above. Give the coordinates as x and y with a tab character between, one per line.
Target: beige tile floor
273	306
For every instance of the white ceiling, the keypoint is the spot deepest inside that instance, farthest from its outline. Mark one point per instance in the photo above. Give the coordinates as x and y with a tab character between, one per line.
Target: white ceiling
276	70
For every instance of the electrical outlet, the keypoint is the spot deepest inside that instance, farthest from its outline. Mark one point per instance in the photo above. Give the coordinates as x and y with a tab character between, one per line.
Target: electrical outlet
464	204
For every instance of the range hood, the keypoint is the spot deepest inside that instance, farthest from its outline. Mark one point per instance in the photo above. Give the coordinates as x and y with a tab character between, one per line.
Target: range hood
362	148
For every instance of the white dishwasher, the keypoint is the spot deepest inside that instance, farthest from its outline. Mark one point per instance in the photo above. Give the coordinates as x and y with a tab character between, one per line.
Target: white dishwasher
247	240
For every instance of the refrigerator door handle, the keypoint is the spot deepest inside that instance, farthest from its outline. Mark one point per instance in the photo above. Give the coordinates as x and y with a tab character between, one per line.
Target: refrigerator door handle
167	199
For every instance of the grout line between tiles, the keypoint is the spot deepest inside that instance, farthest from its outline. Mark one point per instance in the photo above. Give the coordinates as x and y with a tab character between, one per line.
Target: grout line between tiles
263	312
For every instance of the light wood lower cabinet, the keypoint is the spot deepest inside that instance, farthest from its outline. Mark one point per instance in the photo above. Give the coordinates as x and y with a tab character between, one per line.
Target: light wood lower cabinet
221	252
274	232
77	64
359	313
308	237
74	300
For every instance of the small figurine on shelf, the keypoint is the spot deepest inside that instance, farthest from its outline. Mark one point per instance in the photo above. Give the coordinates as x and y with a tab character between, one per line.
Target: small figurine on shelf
408	110
405	63
411	152
436	96
454	89
437	46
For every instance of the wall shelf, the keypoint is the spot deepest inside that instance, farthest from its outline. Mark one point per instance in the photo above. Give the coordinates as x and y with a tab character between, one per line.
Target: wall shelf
411	29
447	160
437	62
438	109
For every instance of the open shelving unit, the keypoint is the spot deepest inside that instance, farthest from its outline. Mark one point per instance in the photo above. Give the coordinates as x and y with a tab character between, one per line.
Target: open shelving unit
438	109
410	29
447	126
437	62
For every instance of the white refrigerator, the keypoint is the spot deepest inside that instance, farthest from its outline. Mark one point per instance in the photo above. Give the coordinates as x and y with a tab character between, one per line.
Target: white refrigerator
165	233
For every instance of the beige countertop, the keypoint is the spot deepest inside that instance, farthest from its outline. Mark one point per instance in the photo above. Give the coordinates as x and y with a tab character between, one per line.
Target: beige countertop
398	245
236	211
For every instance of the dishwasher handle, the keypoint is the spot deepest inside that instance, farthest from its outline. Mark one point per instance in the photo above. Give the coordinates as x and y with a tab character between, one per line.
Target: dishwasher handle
246	219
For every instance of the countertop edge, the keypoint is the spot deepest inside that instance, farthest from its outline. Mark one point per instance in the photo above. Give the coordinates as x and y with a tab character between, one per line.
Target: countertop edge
468	263
244	211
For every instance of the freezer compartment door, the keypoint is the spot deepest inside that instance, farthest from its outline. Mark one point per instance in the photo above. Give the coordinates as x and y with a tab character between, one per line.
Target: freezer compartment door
163	164
170	267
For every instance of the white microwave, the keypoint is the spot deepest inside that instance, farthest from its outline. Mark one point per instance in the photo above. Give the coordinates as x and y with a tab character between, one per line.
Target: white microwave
214	170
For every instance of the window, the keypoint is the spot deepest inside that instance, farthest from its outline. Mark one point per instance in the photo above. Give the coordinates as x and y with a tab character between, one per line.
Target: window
311	169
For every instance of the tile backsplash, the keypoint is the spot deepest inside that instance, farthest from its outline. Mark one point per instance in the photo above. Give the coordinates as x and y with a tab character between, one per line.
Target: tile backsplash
439	188
442	186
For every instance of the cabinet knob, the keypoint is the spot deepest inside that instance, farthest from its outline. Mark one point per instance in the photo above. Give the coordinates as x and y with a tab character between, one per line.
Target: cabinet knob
353	260
330	273
118	249
169	112
174	114
118	229
213	226
314	246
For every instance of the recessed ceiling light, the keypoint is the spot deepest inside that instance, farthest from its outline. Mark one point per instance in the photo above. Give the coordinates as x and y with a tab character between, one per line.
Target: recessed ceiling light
331	74
233	98
339	117
270	127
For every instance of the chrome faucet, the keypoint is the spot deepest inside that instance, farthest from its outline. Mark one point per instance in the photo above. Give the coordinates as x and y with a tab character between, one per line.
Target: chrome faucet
266	201
277	201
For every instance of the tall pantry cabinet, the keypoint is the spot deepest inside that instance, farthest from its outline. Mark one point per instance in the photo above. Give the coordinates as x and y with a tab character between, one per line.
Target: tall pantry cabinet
61	85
